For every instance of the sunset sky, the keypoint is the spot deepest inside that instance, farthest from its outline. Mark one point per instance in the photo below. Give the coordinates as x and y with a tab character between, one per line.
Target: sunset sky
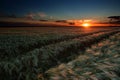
62	9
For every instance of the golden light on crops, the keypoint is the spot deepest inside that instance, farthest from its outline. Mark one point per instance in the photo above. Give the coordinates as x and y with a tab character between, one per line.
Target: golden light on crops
86	25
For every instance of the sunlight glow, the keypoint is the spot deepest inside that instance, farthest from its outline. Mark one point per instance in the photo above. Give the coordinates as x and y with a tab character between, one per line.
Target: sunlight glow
86	25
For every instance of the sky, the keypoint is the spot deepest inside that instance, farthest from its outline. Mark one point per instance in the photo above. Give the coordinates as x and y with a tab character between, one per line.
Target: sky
62	9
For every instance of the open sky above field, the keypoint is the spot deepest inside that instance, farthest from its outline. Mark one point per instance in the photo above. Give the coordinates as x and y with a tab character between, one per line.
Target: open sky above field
62	9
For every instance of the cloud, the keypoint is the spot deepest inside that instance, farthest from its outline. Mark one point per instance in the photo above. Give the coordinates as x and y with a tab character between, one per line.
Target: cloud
5	15
41	14
30	15
38	15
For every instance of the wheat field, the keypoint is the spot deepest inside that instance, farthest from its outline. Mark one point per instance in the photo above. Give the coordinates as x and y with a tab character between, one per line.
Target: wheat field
60	53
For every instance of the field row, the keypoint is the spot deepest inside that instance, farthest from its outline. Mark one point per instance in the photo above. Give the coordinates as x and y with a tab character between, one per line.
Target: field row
39	60
12	46
100	62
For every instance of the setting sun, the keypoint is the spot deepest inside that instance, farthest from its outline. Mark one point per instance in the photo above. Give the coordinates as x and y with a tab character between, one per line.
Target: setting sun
86	25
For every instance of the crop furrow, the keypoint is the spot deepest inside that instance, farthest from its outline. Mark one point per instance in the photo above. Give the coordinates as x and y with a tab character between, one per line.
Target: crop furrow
40	60
99	60
21	49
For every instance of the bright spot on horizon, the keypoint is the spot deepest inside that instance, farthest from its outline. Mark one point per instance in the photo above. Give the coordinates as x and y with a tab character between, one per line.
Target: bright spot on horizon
86	25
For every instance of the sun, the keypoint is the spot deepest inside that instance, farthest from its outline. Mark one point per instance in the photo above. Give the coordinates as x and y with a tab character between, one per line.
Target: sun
86	25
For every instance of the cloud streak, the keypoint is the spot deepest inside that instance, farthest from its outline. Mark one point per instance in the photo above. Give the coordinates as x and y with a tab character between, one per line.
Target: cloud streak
38	15
30	15
41	14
